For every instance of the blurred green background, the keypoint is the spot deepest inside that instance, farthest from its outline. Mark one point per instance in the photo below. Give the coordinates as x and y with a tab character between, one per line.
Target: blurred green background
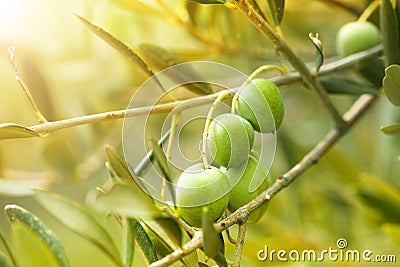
72	73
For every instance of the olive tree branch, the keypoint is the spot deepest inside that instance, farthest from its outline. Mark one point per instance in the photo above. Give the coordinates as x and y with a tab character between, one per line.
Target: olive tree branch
280	45
239	243
49	127
354	113
177	106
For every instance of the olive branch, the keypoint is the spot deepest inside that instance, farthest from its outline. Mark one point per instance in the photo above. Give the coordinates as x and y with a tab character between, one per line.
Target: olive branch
341	126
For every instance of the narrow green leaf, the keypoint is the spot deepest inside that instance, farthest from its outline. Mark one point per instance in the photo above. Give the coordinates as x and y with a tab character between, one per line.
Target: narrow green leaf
117	163
207	2
7	247
382	197
128	200
13	131
161	159
116	44
161	249
220	259
211	241
277	9
398	17
18	215
319	56
160	58
336	84
392	129
143	242
391	84
77	218
373	70
390	33
128	245
4	261
149	156
165	234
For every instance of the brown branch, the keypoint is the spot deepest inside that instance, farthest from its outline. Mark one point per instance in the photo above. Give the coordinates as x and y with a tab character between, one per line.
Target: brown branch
239	243
195	243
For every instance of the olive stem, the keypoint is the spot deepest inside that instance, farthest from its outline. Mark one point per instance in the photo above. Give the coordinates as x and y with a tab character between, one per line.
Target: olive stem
222	95
174	123
255	73
230	238
239	243
369	10
280	45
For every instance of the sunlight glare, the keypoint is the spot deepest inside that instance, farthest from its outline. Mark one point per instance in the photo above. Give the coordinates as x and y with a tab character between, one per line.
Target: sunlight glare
12	18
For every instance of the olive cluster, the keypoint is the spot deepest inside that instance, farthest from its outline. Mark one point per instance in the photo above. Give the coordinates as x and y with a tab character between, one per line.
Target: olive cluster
236	174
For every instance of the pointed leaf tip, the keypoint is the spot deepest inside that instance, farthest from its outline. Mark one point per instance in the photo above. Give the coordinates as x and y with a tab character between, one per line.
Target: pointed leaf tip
391	84
392	129
14	131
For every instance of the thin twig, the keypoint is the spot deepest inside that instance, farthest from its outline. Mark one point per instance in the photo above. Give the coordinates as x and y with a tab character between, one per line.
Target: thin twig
335	66
230	238
49	127
239	243
351	117
298	64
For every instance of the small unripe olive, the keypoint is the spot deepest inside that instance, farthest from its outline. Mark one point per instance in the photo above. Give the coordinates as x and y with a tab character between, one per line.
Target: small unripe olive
198	187
355	37
230	139
260	103
253	179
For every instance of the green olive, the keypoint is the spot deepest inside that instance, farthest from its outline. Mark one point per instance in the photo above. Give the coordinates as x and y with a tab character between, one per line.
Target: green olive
251	179
198	187
260	103
230	139
355	37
